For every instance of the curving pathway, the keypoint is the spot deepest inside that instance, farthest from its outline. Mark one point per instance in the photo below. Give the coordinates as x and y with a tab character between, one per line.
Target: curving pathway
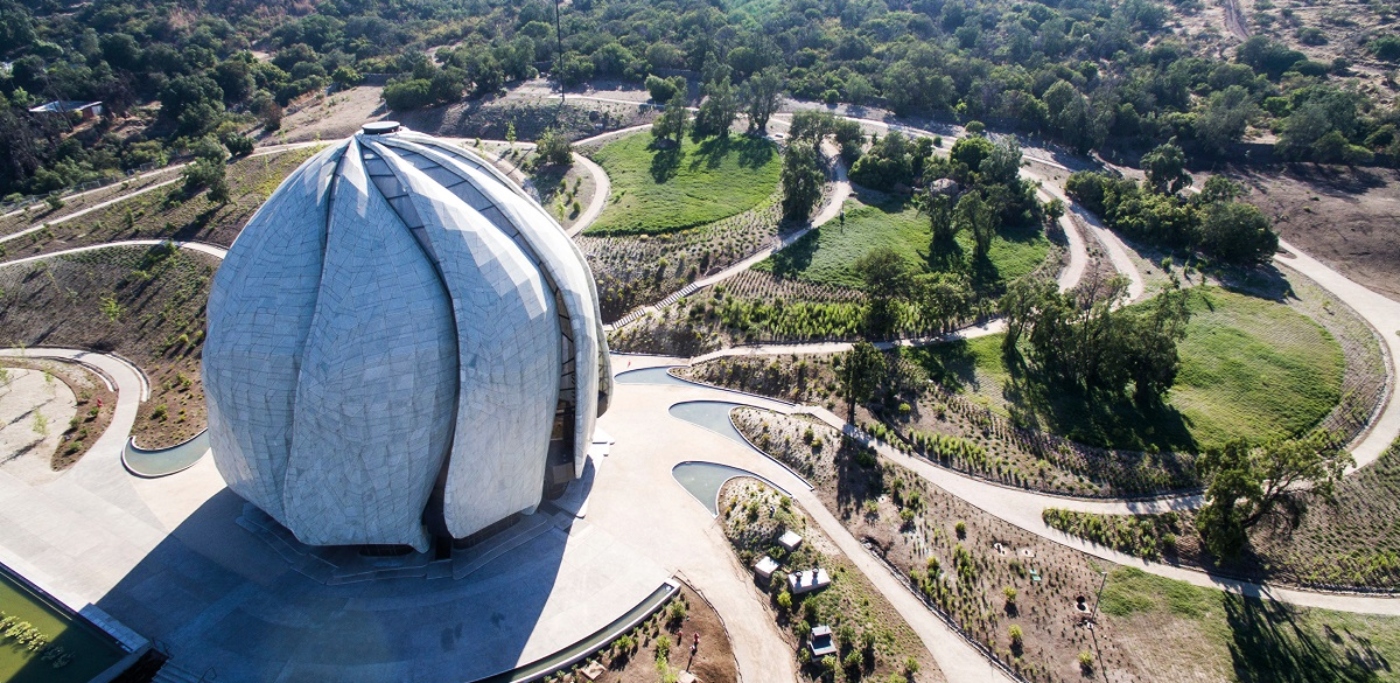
265	151
759	649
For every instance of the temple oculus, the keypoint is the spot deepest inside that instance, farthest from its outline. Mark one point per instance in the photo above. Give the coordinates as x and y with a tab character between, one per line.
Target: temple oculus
402	345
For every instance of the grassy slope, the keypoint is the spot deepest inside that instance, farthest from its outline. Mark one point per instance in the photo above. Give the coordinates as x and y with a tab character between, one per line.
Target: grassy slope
1250	368
826	256
1250	365
159	325
1185	631
655	191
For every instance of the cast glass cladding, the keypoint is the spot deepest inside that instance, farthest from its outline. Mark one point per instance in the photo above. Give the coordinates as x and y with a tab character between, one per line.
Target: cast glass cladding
399	320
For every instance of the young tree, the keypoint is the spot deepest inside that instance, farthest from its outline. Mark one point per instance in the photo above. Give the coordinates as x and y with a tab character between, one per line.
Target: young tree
802	180
717	111
761	95
862	372
943	298
1166	169
1244	483
887	280
554	149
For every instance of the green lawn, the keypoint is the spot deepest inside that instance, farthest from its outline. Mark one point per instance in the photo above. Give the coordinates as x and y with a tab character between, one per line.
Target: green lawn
1182	631
91	652
663	190
826	256
1250	368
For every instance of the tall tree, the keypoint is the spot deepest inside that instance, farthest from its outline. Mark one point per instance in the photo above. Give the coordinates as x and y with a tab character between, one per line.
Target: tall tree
977	216
861	375
802	180
1244	483
943	298
887	281
1166	169
717	111
673	121
761	96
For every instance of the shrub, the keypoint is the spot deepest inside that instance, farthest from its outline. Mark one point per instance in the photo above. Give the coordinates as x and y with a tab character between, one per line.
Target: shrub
1086	662
555	149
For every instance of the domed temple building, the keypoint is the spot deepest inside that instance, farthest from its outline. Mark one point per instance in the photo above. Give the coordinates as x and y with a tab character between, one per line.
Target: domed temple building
402	346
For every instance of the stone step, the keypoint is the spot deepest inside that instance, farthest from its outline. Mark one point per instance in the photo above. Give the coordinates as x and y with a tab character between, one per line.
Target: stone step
522	532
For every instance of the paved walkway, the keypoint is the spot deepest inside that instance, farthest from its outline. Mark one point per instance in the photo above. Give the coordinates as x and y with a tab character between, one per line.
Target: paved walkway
650	442
203	247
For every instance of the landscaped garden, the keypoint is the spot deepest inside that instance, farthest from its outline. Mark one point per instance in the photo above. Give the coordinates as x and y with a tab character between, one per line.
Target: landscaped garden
144	303
1017	594
1250	368
659	648
1349	540
873	642
828	256
813	290
665	188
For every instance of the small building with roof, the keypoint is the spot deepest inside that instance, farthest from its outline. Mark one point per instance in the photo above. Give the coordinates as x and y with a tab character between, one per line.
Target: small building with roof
88	110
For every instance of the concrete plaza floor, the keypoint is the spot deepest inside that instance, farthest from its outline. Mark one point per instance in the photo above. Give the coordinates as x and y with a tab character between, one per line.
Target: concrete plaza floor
168	559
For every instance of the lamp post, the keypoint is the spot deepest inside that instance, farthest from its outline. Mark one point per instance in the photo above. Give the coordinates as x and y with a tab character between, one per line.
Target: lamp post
1098	597
559	51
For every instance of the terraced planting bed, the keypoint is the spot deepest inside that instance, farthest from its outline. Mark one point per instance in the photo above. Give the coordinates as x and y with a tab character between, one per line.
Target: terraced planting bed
144	303
1350	542
168	213
637	270
963	560
810	291
873	641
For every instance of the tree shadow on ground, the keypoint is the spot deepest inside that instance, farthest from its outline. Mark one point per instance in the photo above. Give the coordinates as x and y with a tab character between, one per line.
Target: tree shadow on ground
1270	646
1263	282
665	161
857	477
1105	419
754	152
796	258
945	256
711	152
951	365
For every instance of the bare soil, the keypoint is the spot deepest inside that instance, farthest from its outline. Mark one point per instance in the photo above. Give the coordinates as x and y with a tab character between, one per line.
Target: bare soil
863	622
1349	218
95	405
712	662
146	305
33	407
1347	27
331	117
532	107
